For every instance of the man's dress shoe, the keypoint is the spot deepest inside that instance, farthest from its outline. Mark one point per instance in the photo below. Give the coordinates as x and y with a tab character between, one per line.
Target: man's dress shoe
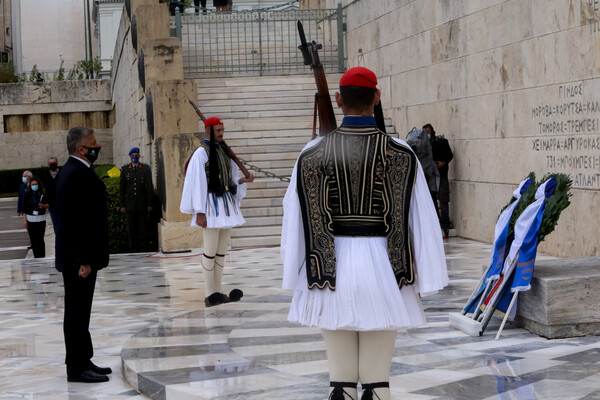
87	376
100	370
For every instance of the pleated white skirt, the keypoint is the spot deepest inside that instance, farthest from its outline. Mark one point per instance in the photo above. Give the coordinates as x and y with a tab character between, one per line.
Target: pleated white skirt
366	296
222	212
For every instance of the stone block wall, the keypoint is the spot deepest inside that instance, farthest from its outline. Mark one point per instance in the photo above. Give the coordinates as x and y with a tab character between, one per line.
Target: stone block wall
35	119
513	84
152	111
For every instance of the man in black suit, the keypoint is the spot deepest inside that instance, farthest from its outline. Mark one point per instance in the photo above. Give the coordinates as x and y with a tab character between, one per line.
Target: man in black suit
81	249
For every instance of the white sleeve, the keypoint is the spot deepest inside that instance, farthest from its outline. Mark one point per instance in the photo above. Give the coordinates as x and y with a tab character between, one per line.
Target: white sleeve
429	260
195	185
241	187
293	251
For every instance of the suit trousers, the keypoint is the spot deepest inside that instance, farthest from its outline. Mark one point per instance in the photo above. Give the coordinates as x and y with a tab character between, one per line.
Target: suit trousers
79	293
137	228
36	231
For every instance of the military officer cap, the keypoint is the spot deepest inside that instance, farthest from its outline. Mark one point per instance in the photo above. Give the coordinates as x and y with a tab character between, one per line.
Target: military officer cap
134	150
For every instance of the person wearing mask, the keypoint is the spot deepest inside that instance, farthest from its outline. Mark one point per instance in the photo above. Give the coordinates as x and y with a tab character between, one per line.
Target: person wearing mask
35	205
135	196
49	180
22	189
81	250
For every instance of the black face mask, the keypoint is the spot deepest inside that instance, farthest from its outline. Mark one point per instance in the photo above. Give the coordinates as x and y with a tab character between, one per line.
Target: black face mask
53	166
92	154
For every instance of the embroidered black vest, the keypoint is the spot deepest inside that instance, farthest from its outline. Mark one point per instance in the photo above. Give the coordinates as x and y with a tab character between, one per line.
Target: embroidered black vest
225	178
356	181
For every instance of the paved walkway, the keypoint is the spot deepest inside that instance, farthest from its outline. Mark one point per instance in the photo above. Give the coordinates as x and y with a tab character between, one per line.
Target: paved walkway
149	323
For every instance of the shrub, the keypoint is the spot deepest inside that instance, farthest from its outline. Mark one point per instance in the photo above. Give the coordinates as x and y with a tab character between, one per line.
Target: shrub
7	73
117	221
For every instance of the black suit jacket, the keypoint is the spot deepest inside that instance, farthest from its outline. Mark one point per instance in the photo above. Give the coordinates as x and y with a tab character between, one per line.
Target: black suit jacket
82	228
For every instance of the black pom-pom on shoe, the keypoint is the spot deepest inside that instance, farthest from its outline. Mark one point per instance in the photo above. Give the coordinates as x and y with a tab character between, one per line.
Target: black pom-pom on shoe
214	300
235	295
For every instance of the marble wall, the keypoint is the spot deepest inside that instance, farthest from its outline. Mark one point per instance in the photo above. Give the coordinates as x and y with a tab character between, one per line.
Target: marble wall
513	84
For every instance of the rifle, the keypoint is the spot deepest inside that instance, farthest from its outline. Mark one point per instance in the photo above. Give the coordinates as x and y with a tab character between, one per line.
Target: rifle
327	122
226	148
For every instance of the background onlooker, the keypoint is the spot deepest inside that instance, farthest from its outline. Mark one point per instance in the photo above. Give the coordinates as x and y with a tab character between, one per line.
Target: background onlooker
49	181
442	155
26	177
34	216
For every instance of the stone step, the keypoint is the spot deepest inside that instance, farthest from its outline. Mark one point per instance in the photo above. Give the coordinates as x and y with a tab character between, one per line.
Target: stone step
257	241
261	212
263	221
262	202
261	193
266	183
255	231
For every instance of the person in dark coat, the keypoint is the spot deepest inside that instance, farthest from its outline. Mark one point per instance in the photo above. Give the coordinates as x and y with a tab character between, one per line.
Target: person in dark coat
49	181
22	189
35	204
135	196
442	155
81	249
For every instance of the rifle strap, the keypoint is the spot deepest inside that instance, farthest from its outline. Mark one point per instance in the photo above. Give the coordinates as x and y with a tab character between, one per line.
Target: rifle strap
314	132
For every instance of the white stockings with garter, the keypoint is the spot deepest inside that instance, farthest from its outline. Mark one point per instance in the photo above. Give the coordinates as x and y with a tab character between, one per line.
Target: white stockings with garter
363	357
216	242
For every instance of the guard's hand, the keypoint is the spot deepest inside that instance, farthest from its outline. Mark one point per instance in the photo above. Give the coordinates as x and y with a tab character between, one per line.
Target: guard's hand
122	209
249	179
440	164
85	270
201	220
149	208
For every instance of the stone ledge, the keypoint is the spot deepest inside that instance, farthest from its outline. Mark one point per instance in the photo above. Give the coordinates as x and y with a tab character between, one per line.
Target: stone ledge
563	300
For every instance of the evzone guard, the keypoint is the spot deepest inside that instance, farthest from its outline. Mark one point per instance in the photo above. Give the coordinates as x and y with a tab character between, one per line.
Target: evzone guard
360	242
212	192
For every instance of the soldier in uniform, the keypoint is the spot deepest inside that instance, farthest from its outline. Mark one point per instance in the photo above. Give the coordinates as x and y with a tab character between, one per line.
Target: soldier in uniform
136	199
360	242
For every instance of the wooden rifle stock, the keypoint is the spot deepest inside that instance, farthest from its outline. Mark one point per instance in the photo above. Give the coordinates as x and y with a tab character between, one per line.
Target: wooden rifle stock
227	149
327	122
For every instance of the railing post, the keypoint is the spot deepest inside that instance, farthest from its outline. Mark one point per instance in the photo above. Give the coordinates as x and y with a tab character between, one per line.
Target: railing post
340	34
178	23
260	51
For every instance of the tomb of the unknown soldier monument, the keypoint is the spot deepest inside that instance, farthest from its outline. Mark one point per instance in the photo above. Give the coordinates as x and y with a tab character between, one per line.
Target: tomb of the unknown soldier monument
512	85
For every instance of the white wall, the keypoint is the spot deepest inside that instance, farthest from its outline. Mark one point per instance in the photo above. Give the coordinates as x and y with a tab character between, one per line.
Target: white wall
109	19
46	29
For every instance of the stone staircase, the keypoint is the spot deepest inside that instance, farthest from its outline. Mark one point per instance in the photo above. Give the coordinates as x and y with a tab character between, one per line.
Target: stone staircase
268	120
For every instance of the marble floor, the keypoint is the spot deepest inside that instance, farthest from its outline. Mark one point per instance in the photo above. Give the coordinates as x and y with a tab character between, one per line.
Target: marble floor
149	324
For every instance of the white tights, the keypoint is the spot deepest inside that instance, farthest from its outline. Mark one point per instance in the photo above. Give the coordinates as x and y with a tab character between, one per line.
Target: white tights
216	242
363	357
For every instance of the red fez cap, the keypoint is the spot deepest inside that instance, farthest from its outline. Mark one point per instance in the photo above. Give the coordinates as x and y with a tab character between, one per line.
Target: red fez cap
359	76
212	121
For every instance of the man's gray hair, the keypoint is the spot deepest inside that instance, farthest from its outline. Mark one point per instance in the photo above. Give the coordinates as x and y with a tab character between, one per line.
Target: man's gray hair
75	136
28	173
